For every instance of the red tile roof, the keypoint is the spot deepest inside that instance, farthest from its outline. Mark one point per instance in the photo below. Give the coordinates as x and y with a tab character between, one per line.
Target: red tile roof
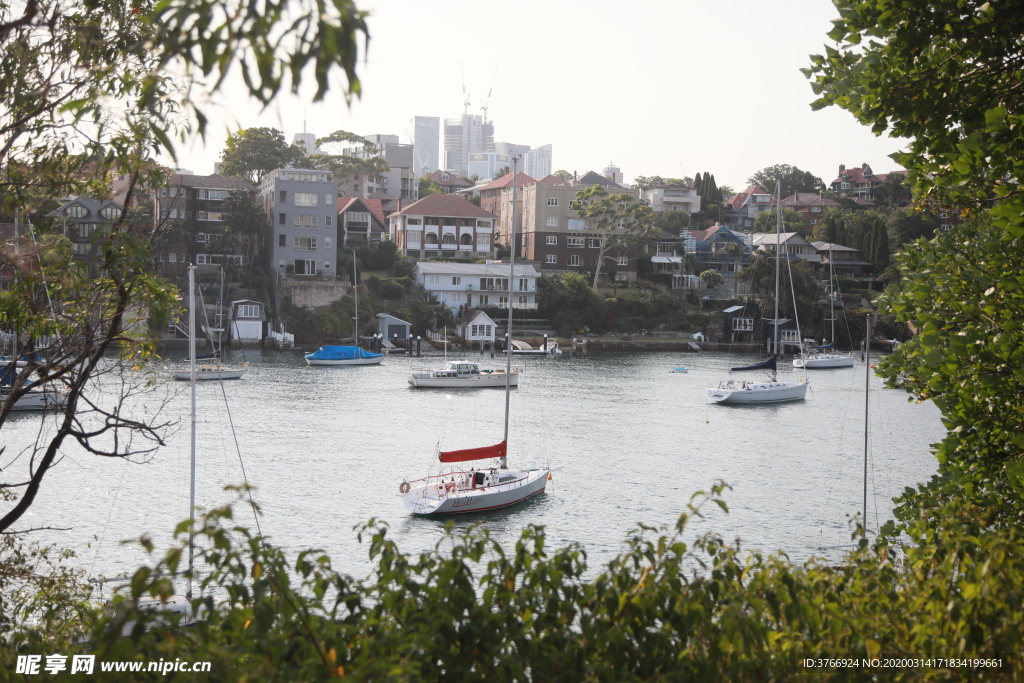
445	205
522	180
808	199
740	198
549	180
371	205
857	175
376	207
454	180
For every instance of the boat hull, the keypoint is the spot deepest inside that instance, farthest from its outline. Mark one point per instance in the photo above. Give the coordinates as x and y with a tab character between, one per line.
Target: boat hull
203	375
36	400
823	361
346	361
431	498
735	393
483	380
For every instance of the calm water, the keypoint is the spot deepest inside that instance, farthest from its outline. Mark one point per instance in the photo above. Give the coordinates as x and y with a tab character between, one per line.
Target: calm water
326	449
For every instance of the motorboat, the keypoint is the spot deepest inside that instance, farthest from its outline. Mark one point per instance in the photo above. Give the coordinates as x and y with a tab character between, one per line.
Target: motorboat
211	372
343	355
679	370
461	375
818	361
548	348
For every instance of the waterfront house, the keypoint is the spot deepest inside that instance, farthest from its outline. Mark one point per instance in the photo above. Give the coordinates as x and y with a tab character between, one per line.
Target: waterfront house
742	208
478	330
671	197
810	206
479	285
393	328
792	243
443	225
360	220
709	246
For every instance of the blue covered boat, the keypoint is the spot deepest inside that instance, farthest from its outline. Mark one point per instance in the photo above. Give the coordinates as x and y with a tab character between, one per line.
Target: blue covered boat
343	355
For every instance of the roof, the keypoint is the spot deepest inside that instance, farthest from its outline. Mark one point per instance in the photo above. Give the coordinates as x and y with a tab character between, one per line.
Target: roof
445	205
373	206
666	259
808	199
825	246
92	204
760	238
388	315
495	268
480	313
733	309
859	174
550	180
218	182
593	178
454	179
740	198
506	181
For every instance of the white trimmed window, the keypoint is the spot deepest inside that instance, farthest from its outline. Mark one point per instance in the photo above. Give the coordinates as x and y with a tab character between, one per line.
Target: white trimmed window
577	224
305	243
248	311
304	220
552	221
433	279
328	221
551	240
306	199
552	201
551	258
483	241
456	297
574	242
815	209
622	261
575	260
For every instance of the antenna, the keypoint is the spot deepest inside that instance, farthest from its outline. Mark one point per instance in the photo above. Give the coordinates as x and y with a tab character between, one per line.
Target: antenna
487	101
465	95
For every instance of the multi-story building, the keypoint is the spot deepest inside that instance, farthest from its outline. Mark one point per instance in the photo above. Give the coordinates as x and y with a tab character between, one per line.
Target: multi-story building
613	173
361	220
194	204
537	161
672	197
559	240
302	207
308	142
84	221
810	205
399	181
469	134
443	225
451	182
480	285
491	193
742	208
709	248
511	149
426	142
860	183
486	165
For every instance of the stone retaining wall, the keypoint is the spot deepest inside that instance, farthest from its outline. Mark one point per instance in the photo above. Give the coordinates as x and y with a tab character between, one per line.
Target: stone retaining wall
315	293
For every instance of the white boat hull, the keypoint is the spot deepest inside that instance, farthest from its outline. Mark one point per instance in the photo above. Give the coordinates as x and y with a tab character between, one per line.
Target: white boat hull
824	360
347	361
36	400
436	496
483	380
758	392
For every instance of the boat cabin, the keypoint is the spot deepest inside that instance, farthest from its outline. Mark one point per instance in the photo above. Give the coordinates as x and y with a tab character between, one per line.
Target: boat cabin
458	369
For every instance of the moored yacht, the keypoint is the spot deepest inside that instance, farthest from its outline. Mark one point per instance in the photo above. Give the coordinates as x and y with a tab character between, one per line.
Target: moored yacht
461	375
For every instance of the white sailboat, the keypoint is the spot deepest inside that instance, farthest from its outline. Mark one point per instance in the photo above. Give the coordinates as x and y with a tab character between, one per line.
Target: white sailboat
822	359
457	489
773	391
213	370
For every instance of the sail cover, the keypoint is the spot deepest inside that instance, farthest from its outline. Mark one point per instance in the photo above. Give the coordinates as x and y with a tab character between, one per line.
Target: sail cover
341	353
482	453
763	365
830	345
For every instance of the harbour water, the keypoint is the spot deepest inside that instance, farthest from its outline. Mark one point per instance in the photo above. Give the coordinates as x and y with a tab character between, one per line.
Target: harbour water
327	447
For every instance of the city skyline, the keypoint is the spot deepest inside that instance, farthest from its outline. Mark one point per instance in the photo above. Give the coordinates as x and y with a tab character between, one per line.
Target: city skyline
730	101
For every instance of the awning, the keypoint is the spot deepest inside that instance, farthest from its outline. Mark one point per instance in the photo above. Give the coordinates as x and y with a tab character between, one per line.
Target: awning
666	259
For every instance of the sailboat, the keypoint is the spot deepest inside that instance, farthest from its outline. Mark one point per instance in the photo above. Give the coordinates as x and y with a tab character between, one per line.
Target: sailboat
773	391
346	355
458	489
821	358
215	370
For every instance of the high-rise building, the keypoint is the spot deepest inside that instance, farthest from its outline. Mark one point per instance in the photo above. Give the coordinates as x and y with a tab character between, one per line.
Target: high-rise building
612	173
426	141
400	181
484	165
510	149
463	136
307	140
537	162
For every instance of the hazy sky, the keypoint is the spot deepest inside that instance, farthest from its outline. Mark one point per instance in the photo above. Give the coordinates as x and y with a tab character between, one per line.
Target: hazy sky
659	87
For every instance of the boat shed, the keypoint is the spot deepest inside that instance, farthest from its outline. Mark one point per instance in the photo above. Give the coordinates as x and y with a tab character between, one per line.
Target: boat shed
247	318
478	330
390	326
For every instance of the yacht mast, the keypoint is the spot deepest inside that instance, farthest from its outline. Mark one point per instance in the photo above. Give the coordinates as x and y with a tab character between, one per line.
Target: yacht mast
355	295
778	258
220	315
508	335
192	379
867	394
832	294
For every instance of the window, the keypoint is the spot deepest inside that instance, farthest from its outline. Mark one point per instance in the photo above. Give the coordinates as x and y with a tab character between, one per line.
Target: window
358	216
282	240
413	221
433	279
431	238
327	244
209	215
304	220
574	242
248	311
413	238
502	302
523	300
448	238
181	257
76	211
466	240
484	300
483	224
201	237
494	284
328	221
327	265
110	212
524	284
163	191
173	258
304	243
280	218
282	196
174	213
576	224
305	267
575	260
174	192
944	226
456	281
942	214
844	186
550	258
328	200
211	194
483	241
551	240
552	221
552	201
83	249
456	298
622	261
305	199
162	257
815	209
814	221
594	243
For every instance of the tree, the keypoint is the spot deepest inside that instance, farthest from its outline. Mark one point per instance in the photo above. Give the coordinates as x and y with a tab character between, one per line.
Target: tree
503	171
736	250
249	227
568	301
792	178
761	276
673	222
712	278
251	153
88	92
349	157
792	221
428	185
618	222
562	175
890	191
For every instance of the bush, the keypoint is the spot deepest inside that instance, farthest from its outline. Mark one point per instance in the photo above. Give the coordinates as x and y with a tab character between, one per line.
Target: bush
406	283
373	283
403	268
392	290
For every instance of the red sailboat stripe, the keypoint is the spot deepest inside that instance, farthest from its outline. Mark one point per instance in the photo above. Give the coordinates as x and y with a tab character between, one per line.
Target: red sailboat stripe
482	453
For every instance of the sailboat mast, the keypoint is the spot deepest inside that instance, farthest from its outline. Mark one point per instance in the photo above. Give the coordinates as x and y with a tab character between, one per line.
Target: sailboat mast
832	294
192	379
355	295
778	258
508	335
220	315
867	394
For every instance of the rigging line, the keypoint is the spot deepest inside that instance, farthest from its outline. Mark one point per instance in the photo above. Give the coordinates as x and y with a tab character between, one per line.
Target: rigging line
238	449
109	513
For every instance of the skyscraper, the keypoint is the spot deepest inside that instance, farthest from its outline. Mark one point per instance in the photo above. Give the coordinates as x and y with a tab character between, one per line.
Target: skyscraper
463	136
537	162
426	141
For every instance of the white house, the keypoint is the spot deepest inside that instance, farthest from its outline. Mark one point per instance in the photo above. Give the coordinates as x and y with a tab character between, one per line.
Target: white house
479	328
479	285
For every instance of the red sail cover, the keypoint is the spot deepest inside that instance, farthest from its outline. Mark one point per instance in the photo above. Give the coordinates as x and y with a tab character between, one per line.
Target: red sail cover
482	453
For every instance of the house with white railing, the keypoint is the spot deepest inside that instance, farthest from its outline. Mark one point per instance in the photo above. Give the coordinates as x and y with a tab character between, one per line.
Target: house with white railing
479	285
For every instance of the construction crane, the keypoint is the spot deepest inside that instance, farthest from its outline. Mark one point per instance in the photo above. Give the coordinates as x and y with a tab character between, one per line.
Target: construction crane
487	101
465	95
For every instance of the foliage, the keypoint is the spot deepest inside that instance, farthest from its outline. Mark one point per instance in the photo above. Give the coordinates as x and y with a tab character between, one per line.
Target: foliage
344	166
761	276
380	255
792	178
866	231
568	301
619	222
562	175
892	190
792	221
248	228
673	222
251	153
656	181
392	290
501	172
428	185
712	278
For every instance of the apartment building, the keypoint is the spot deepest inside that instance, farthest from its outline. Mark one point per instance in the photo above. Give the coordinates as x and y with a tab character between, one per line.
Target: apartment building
400	180
443	225
479	284
302	208
426	144
361	220
672	197
84	221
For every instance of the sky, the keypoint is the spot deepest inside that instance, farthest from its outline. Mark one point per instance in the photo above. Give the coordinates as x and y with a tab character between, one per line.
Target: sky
659	87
